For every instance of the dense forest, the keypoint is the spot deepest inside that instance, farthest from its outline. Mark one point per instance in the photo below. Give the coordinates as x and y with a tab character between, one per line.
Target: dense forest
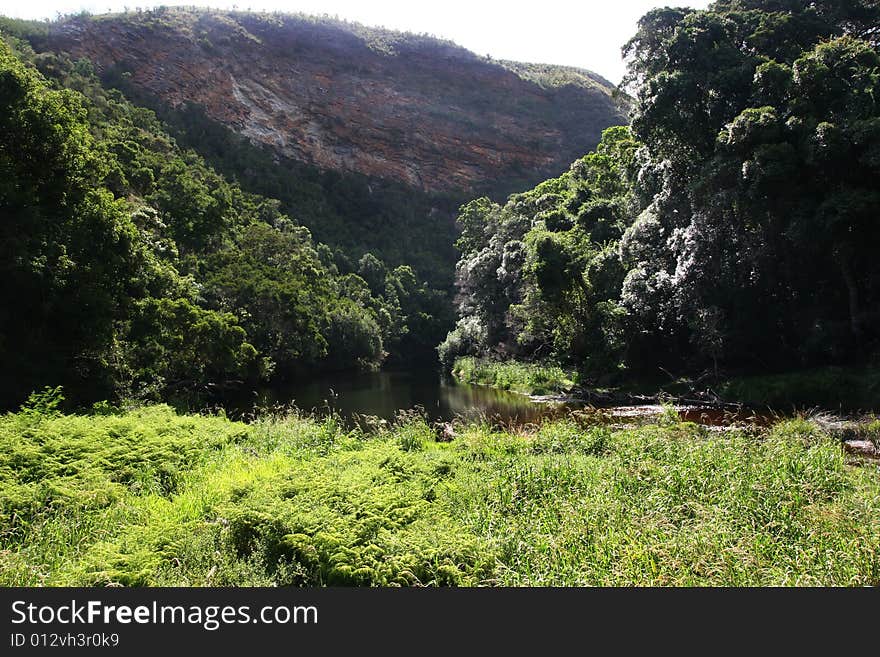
733	227
132	269
730	228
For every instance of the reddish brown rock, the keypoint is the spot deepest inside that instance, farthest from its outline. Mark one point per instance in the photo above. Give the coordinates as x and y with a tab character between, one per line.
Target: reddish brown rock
340	97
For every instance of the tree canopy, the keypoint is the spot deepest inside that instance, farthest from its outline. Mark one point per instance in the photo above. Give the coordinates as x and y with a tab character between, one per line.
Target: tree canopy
735	224
133	269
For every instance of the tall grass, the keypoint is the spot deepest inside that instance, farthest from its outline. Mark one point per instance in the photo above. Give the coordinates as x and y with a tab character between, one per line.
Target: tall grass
527	378
150	497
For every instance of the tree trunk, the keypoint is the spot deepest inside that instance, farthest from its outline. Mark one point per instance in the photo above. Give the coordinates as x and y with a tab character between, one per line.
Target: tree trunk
853	297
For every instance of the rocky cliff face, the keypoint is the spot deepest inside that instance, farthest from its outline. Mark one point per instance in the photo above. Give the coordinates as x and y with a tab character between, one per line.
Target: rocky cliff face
347	98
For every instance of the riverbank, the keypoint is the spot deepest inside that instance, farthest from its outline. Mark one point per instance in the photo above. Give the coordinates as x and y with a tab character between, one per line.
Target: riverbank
150	497
831	388
531	379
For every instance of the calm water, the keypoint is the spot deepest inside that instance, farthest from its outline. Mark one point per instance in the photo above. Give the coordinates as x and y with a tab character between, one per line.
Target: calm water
383	394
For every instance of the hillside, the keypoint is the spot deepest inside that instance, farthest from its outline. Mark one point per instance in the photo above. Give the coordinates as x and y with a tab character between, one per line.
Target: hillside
347	98
372	139
134	269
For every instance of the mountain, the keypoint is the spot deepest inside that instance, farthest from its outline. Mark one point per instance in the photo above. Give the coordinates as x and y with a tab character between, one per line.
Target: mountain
370	138
346	98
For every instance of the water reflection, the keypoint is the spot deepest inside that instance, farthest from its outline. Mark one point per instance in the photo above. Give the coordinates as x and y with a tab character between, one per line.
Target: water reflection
384	394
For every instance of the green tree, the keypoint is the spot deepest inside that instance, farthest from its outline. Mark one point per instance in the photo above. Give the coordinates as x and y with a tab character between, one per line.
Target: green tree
67	249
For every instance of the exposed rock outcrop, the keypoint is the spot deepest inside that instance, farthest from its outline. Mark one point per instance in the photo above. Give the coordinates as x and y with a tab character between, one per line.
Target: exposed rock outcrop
343	97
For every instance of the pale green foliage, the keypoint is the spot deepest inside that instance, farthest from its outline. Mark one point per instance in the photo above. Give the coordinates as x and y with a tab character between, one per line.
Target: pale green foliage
149	497
529	378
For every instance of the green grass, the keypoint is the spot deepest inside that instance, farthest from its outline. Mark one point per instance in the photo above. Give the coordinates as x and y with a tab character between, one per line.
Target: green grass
149	497
527	378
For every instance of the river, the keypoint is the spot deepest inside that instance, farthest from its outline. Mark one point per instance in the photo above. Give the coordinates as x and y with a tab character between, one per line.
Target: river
383	394
353	396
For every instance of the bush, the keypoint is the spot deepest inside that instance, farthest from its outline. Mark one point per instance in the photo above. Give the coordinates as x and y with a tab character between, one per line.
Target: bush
466	339
529	378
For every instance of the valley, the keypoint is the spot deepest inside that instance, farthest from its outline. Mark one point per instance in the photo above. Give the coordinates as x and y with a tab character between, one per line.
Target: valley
293	301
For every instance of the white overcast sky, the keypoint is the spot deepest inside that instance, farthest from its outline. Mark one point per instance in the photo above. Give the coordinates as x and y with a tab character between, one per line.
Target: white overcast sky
588	34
